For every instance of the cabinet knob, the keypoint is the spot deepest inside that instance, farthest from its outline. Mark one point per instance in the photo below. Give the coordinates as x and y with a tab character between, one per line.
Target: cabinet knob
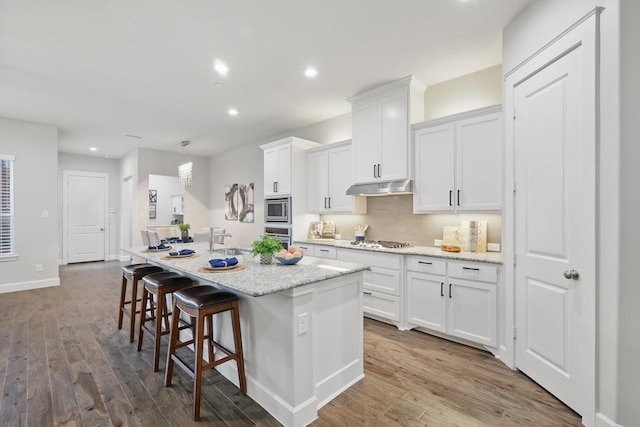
571	274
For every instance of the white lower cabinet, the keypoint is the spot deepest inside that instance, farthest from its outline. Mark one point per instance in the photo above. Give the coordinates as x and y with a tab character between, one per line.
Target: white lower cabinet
472	311
426	302
457	299
325	252
382	287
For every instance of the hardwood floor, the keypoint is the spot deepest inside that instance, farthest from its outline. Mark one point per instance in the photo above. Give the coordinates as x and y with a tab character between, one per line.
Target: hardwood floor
64	362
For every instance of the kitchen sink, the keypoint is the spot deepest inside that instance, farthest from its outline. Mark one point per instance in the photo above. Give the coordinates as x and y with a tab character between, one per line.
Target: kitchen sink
233	251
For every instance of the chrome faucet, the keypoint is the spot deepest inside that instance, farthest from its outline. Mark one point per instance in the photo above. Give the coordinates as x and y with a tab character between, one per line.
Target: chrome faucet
212	239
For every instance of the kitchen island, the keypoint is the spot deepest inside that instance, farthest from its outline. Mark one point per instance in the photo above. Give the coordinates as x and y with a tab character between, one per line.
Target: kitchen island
302	327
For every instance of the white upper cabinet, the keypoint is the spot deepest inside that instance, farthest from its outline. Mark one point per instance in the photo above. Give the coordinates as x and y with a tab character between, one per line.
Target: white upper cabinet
281	158
458	163
380	126
277	170
329	175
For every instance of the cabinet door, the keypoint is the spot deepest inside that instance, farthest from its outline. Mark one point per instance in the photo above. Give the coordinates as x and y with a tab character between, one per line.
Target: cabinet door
270	171
394	132
381	305
426	301
434	169
479	163
277	171
340	177
472	311
283	186
317	181
365	141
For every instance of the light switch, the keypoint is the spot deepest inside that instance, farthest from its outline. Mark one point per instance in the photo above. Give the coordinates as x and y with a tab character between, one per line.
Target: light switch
45	214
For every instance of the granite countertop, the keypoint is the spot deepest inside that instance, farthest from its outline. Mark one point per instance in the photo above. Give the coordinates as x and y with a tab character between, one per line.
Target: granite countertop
255	279
432	251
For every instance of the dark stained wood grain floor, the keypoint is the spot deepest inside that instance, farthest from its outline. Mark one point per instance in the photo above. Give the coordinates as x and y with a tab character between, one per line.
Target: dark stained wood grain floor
63	362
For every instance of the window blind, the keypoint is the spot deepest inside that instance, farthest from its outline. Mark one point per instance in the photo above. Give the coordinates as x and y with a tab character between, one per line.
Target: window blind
6	204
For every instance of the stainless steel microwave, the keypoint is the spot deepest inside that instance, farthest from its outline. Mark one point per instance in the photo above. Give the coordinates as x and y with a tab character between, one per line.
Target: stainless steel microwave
278	210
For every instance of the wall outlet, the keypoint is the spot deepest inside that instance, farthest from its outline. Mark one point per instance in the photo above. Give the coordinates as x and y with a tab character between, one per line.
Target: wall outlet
437	242
493	247
38	268
45	214
303	323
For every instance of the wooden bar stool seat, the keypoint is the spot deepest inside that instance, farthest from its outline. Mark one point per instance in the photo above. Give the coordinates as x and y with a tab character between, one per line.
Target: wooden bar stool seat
158	285
132	273
200	303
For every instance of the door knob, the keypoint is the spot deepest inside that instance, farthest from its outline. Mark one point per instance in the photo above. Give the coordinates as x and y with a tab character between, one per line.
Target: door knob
571	274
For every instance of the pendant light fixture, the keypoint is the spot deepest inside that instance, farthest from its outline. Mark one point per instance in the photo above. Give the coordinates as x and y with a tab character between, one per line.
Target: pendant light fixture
185	170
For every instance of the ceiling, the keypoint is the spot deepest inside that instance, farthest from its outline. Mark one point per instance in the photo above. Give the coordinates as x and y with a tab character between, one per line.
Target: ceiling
100	70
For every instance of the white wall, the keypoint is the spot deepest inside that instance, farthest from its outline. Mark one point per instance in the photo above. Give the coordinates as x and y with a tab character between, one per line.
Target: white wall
469	92
628	372
618	292
77	162
35	148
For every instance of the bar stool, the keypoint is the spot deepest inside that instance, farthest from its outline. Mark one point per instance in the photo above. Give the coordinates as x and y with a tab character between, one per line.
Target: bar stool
133	273
158	285
200	303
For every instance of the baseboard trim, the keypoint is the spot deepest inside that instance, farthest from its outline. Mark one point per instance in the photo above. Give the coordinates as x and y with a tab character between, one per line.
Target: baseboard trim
604	421
26	286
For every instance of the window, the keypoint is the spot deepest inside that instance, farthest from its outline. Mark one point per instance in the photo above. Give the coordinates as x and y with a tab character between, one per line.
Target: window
6	205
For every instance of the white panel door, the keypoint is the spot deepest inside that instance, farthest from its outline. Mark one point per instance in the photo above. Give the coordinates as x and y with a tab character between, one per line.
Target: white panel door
85	218
554	166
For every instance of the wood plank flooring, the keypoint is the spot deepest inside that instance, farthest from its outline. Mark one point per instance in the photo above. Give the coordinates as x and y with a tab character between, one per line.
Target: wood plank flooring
63	362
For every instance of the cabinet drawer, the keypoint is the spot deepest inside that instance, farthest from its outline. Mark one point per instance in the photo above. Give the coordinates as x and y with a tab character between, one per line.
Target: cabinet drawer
382	280
382	305
479	272
325	252
369	258
309	250
427	265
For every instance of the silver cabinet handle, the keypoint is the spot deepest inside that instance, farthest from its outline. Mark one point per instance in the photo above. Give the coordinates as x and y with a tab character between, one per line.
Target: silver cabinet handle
571	274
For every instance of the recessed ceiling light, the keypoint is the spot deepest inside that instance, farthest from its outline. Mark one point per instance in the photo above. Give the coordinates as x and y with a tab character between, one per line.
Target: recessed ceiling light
93	149
232	112
310	72
218	84
221	68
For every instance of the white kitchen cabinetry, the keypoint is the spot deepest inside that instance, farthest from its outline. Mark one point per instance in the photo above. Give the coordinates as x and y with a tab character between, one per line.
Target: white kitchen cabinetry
325	252
382	287
458	162
177	204
462	304
380	127
283	163
426	287
309	250
329	175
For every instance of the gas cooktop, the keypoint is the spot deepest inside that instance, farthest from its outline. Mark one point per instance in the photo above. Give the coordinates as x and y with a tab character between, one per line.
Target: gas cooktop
377	244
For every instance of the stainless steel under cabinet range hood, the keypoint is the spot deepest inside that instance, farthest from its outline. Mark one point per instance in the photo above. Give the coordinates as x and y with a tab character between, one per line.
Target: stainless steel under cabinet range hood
404	186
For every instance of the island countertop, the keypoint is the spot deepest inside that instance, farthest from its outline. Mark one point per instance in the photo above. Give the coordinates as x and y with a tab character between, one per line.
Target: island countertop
253	278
